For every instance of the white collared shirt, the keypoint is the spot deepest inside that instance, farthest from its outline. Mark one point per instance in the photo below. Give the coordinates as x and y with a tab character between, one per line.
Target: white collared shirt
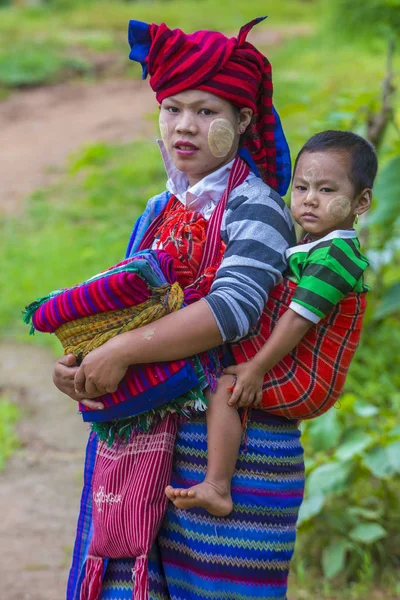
204	195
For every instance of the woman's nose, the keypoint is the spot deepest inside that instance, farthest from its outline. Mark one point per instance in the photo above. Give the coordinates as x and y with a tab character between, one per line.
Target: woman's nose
186	123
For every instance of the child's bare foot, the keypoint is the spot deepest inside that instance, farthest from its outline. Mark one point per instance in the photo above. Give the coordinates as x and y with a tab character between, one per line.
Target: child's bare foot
215	500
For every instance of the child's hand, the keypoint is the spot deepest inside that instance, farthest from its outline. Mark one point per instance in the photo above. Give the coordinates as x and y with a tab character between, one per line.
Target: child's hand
247	389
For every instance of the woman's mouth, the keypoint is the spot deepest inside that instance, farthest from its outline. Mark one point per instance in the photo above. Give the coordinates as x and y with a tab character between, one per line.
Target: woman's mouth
184	148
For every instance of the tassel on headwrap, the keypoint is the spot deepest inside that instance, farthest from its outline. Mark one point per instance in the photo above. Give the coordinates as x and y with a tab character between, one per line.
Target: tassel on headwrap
230	68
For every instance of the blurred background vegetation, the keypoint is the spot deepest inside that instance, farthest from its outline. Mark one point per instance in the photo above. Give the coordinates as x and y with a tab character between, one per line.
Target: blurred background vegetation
336	66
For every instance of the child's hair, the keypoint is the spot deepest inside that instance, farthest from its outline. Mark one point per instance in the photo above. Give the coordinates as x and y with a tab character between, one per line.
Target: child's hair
364	162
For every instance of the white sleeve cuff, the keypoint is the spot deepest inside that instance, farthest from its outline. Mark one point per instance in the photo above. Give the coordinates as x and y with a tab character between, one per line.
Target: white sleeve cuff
304	312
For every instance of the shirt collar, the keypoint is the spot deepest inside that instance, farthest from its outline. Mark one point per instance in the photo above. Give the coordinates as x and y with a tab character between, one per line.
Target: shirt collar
204	195
345	234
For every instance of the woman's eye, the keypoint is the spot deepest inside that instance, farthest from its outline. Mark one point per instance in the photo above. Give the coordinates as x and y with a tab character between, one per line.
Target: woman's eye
326	190
206	111
301	188
172	109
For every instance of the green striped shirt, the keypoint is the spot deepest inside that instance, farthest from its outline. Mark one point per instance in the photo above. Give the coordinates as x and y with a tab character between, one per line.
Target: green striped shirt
325	272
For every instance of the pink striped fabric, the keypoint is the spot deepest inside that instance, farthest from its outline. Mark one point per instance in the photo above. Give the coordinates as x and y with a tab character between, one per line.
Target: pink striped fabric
125	526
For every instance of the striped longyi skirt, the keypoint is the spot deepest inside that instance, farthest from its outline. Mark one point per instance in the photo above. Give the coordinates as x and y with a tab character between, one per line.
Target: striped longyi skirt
244	556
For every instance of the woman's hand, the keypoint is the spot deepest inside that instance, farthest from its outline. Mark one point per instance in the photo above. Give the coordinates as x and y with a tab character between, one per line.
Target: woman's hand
64	379
247	389
101	370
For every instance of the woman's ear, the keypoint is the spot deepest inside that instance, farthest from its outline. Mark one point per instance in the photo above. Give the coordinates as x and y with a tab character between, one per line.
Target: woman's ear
245	116
364	202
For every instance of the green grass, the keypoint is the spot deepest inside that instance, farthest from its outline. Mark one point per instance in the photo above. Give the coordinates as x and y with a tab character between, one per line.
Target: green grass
43	44
77	227
320	85
9	415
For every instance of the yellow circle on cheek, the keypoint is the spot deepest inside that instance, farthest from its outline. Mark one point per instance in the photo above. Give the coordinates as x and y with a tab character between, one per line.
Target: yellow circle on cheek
220	137
338	208
163	129
293	201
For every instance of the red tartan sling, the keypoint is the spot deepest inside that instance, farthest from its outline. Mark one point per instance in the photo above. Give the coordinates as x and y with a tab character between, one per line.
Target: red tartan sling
129	480
309	380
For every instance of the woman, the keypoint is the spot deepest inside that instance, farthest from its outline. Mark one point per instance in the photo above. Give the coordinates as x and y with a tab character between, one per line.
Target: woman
214	92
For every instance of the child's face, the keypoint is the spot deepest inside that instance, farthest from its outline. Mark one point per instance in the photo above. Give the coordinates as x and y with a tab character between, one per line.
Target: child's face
200	131
323	197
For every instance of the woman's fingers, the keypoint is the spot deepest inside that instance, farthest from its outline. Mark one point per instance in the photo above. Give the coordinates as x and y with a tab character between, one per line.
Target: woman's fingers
258	399
92	404
246	399
64	374
236	394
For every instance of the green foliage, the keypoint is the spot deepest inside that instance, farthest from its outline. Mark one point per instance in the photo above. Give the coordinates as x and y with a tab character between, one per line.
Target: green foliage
351	511
41	63
386	217
78	227
370	17
9	415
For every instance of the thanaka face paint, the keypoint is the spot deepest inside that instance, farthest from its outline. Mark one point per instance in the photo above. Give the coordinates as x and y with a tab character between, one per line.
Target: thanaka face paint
313	171
338	208
163	129
221	136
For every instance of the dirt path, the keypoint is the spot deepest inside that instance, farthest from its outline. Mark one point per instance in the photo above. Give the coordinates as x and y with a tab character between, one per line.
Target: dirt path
39	128
40	488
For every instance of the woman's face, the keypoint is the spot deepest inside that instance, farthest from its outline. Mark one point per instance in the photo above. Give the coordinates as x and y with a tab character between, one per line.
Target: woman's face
201	131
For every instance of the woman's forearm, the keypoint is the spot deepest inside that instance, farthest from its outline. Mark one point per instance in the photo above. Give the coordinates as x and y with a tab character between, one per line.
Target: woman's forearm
180	334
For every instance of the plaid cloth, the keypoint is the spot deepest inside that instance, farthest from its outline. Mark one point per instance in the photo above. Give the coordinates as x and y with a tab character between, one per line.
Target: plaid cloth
309	380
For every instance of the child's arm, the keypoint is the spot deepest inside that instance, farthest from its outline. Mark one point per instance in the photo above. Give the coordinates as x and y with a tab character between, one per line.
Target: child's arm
287	333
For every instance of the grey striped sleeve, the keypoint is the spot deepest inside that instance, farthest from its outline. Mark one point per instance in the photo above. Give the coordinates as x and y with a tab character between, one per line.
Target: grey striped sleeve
257	228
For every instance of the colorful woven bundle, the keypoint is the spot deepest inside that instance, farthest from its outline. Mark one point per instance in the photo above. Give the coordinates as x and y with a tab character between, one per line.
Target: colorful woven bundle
309	380
243	556
126	284
129	295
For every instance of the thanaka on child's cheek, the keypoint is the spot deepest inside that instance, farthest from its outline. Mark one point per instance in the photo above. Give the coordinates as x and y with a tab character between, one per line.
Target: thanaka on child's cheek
200	131
338	208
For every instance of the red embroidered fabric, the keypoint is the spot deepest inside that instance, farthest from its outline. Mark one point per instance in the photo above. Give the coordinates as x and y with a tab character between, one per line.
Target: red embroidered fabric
183	235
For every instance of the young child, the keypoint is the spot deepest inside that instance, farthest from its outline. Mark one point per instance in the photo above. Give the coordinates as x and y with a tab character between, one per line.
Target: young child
332	182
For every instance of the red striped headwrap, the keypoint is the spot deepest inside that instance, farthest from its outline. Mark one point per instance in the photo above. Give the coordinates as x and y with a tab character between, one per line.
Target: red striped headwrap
230	68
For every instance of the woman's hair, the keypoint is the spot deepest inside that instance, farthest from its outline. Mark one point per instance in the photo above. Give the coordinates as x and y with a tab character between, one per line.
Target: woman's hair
363	160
